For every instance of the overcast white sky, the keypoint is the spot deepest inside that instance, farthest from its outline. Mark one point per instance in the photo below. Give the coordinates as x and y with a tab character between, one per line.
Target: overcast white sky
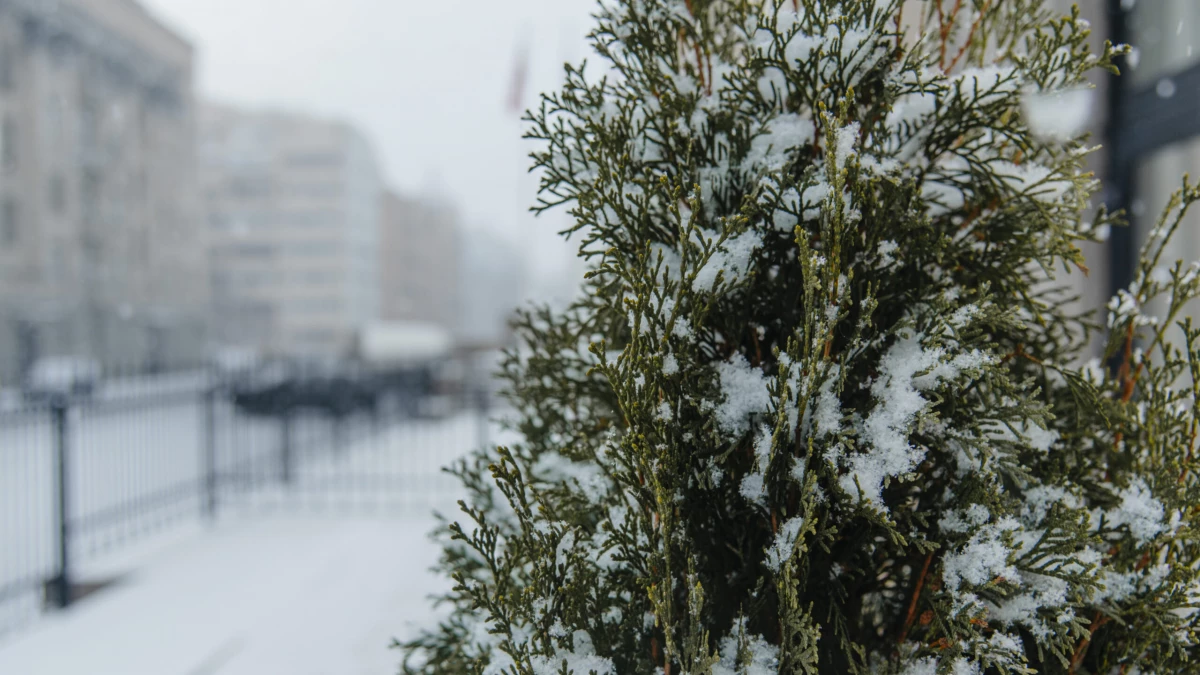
426	80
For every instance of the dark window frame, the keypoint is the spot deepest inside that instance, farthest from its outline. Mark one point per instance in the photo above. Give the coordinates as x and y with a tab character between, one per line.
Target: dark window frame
10	222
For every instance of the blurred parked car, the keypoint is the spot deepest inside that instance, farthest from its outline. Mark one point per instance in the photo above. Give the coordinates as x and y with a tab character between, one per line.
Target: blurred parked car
234	360
316	389
412	365
62	376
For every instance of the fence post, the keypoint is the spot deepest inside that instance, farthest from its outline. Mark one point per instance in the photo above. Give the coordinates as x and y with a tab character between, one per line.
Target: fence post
285	449
210	453
481	416
60	585
339	433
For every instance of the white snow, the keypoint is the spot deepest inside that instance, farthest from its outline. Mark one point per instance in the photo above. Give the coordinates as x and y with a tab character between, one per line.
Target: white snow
1045	592
245	590
1059	115
742	653
1027	432
984	557
910	109
587	477
1038	501
1038	437
981	84
1134	56
744	392
847	138
1139	510
785	541
1117	586
812	197
924	666
963	666
886	248
399	342
941	194
303	596
769	150
828	417
897	393
1032	179
731	260
581	660
753	488
966	520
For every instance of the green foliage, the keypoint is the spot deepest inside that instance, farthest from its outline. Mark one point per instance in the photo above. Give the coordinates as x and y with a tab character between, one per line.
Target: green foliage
822	405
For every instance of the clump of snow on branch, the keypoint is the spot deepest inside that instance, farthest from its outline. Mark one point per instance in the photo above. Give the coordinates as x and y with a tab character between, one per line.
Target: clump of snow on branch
906	370
744	391
1060	115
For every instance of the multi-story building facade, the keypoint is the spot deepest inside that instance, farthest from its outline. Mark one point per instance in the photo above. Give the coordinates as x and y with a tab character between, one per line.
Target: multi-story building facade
100	249
419	261
1156	115
293	211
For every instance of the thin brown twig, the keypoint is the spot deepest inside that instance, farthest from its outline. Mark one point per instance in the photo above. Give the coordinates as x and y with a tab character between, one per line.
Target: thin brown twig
1127	383
944	27
912	604
941	30
970	34
1081	651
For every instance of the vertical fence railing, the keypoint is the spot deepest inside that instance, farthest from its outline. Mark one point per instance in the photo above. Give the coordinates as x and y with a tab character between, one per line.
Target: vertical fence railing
210	453
83	474
60	585
286	445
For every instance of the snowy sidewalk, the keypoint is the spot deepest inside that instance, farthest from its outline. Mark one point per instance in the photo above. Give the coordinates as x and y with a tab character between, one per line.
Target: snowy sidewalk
266	596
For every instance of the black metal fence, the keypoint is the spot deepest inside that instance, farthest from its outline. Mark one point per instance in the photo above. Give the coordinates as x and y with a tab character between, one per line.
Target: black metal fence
82	476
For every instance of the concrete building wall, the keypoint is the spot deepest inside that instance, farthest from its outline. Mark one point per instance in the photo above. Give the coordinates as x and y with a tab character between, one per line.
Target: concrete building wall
101	252
419	261
292	205
1164	33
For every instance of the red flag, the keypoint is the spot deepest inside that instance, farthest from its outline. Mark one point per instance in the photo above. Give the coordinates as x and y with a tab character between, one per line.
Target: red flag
516	92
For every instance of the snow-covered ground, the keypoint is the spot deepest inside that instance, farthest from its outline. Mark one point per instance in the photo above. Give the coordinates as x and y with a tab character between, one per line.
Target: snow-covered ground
138	477
271	594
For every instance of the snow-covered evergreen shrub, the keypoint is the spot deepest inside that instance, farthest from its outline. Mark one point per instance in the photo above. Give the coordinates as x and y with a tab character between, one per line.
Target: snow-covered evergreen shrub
820	407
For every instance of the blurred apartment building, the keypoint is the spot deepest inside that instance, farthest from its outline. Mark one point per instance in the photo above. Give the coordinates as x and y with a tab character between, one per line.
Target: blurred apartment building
100	252
293	209
1155	130
420	261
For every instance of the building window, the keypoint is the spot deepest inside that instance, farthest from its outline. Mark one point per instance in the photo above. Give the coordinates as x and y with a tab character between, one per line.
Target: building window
318	305
314	159
250	187
316	335
9	227
89	124
251	250
8	68
58	194
8	144
316	248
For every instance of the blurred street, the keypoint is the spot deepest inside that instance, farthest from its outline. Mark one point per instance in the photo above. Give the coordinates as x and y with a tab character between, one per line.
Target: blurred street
312	578
279	594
